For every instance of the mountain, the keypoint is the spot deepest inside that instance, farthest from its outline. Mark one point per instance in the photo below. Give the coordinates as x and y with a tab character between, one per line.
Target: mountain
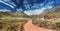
11	14
21	14
55	12
6	14
27	5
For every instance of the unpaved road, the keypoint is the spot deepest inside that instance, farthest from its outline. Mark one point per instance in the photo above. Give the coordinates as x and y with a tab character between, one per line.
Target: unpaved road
31	27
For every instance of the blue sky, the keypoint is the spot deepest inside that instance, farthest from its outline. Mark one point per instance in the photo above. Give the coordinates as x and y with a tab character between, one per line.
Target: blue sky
39	8
30	7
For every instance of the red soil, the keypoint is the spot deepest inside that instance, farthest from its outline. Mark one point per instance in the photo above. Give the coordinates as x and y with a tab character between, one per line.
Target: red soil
31	27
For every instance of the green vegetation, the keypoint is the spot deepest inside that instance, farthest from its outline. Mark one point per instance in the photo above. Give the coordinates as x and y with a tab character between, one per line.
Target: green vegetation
12	24
53	22
48	23
11	21
6	14
14	21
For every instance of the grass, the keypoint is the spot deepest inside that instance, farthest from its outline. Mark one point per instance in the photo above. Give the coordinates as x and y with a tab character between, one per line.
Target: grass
13	20
12	24
48	23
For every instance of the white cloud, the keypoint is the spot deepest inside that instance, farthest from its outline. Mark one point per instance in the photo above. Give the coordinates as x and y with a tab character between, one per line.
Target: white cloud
39	8
27	6
7	4
41	4
20	9
12	3
34	12
5	10
7	0
37	11
49	7
25	1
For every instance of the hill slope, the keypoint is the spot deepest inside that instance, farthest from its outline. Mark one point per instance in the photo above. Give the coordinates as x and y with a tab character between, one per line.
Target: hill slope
21	14
6	14
10	14
53	12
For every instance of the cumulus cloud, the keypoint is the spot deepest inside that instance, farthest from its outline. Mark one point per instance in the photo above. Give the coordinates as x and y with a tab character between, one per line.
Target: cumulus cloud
49	7
20	9
39	8
35	12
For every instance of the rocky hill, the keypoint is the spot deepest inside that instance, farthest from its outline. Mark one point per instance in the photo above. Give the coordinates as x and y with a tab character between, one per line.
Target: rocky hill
11	14
55	12
21	14
6	14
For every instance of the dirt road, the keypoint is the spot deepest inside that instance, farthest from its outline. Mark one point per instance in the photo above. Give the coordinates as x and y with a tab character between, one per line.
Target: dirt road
31	27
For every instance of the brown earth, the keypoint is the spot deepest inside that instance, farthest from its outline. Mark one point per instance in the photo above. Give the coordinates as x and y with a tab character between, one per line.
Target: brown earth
31	27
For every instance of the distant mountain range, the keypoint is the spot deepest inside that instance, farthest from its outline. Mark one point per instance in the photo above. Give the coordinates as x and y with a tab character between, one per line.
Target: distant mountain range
20	14
30	7
55	12
6	14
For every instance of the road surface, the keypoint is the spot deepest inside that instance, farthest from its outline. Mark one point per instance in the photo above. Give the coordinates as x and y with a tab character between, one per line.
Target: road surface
31	27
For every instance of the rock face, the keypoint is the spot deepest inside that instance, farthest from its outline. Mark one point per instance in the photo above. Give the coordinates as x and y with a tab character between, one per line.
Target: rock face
53	13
